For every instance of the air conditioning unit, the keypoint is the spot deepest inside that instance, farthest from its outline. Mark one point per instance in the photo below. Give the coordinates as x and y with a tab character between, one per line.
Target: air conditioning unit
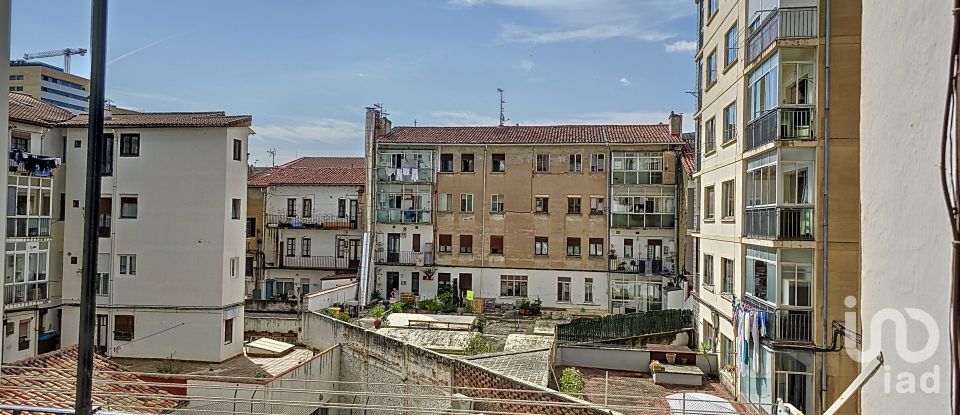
460	402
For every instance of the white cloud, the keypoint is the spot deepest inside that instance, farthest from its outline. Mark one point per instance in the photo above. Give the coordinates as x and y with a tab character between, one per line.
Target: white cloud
625	82
680	46
589	20
319	131
526	65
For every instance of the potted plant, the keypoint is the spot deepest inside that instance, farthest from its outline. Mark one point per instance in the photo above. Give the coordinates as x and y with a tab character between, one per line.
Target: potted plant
656	366
671	358
378	311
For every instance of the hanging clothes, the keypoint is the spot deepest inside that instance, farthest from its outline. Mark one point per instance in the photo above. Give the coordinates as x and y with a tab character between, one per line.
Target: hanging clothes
414	175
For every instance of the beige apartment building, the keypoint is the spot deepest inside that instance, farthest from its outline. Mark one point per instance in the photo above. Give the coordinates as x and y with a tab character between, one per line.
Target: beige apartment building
777	166
50	84
581	217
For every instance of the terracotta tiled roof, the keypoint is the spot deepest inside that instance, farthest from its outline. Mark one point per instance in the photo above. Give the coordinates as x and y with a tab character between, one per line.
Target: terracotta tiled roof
688	156
49	380
313	171
27	109
168	119
553	134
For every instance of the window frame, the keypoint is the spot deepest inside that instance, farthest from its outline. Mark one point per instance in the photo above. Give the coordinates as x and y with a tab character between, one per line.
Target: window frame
129	145
467	163
306	206
710	136
574	205
574	246
727	280
128	264
711	69
541	204
598	162
126	201
514	286
541	163
563	289
707	279
466	203
595	247
445	248
541	246
735	31
291	247
466	248
575	163
446	163
228	330
588	290
236	208
291	207
728	190
729	123
496	248
709	202
597	205
498	163
305	246
237	149
124	335
496	203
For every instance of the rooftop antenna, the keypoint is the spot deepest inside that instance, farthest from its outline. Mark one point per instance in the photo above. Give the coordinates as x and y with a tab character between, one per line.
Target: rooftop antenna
273	157
414	122
503	117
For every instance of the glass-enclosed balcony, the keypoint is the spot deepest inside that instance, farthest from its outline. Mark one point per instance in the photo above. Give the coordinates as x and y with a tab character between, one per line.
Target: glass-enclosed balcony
28	206
404	203
780	23
780	284
644	207
405	166
780	195
25	278
408	215
782	95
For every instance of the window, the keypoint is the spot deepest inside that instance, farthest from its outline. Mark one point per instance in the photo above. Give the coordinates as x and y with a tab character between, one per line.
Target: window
20	141
496	203
466	163
727	191
596	246
308	208
446	163
106	213
499	163
234	209
598	162
251	227
237	149
235	267
123	327
23	334
341	208
77	143
513	285
249	266
588	290
709	197
573	246
637	168
727	276
563	289
128	265
576	163
540	245
228	331
343	246
708	270
129	145
708	335
728	353
446	202
543	163
63	207
291	247
709	136
496	244
304	246
128	207
16	77
731	44
712	68
107	161
730	123
16	88
712	7
291	207
573	204
541	204
466	203
444	243
101	284
762	90
596	205
466	244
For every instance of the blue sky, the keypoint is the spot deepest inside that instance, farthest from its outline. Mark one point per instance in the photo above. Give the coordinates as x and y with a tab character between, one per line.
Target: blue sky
305	70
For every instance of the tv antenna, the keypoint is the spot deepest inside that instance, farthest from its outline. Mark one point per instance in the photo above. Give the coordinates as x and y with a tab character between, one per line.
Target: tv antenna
273	157
503	117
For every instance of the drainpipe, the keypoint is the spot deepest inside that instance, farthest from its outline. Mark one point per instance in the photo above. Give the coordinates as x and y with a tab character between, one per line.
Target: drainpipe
826	204
483	223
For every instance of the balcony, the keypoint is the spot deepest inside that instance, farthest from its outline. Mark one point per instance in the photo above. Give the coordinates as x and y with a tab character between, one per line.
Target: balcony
394	175
404	258
784	123
32	164
785	23
643	266
781	223
312	222
28	227
403	216
642	220
34	292
319	262
784	324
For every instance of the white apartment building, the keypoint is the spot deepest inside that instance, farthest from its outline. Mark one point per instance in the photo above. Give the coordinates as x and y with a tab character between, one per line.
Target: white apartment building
906	231
304	226
171	227
767	260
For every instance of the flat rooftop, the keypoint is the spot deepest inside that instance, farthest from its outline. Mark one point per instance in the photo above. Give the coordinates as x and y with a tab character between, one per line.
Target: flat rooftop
241	366
632	390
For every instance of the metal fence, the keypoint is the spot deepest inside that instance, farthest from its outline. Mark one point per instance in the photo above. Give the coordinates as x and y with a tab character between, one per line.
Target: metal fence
404	258
786	23
314	222
620	326
785	123
319	262
786	223
785	323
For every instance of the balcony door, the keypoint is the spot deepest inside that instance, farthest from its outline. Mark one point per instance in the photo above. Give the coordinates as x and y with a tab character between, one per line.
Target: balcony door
353	254
655	255
102	333
393	247
353	214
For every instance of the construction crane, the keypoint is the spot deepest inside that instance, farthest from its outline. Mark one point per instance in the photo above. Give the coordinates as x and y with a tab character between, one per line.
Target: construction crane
60	52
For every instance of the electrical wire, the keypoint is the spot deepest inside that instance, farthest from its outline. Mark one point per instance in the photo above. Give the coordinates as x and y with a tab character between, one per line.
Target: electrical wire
952	201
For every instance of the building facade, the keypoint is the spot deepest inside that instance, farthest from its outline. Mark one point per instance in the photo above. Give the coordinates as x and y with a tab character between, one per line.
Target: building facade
777	166
50	84
304	226
580	217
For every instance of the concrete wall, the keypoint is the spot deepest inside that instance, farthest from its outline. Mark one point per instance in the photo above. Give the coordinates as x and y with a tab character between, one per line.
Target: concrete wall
327	298
609	358
906	235
272	324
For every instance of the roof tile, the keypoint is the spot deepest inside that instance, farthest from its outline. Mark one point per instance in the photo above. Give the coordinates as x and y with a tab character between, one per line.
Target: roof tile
313	171
25	108
167	119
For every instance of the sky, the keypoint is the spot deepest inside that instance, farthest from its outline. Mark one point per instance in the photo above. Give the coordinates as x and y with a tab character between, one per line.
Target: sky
305	70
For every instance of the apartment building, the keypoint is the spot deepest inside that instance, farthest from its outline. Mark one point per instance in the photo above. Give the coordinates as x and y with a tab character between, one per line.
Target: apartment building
581	217
304	227
777	165
171	232
50	84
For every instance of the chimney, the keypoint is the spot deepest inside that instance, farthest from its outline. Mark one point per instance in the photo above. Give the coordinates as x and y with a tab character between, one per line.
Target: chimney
386	124
676	124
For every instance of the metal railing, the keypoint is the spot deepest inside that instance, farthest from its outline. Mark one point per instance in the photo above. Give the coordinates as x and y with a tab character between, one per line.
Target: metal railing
313	222
641	266
785	23
22	293
783	123
785	323
403	216
785	223
318	262
642	220
392	175
28	227
694	224
404	258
